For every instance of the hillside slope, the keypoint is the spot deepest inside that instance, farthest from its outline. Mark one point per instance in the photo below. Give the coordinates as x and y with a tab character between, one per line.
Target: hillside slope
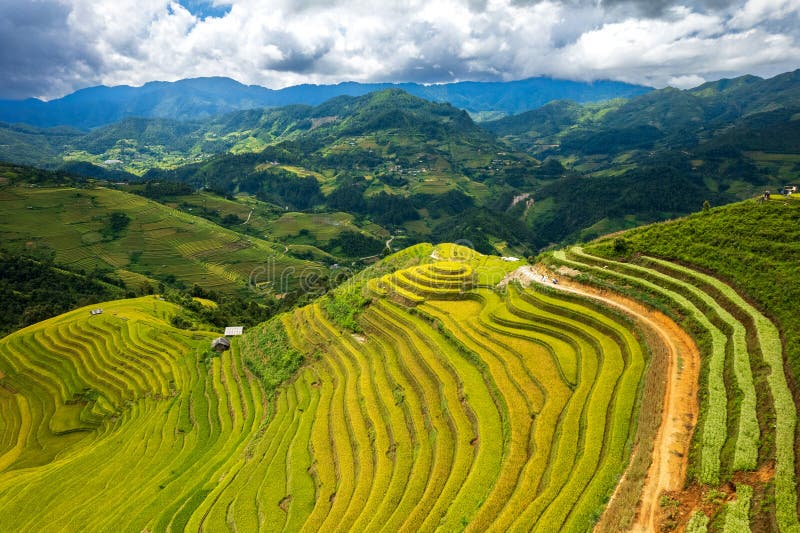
404	162
668	115
424	393
729	275
658	155
141	241
473	407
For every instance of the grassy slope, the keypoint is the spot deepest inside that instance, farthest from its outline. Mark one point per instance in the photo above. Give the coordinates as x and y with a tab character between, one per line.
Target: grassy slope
754	246
158	242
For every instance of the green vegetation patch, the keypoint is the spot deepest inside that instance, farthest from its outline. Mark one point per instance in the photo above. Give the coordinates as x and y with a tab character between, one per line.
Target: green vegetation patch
268	353
344	304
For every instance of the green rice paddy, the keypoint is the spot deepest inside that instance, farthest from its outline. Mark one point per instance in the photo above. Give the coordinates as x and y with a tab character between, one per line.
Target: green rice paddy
454	405
159	242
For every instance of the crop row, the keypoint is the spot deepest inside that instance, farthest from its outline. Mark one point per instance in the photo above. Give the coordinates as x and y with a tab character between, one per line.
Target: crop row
124	426
714	428
494	410
696	286
769	344
730	320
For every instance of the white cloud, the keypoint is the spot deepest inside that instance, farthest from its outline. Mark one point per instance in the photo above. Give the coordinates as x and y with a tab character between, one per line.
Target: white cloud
285	42
678	51
686	82
757	11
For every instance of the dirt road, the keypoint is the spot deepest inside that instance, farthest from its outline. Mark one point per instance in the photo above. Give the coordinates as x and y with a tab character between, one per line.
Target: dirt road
670	454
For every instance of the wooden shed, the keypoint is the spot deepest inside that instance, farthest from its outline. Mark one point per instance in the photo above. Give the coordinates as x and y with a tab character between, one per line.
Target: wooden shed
220	344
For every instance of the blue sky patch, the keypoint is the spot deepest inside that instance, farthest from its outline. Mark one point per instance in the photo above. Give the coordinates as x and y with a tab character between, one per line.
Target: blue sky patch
205	8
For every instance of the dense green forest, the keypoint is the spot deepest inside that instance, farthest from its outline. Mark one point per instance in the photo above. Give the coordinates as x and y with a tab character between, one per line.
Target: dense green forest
33	288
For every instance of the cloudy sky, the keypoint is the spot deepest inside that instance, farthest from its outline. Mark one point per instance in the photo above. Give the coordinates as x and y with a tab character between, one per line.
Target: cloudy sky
49	48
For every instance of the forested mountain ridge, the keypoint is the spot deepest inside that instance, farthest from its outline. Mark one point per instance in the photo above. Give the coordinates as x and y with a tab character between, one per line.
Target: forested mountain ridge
404	162
198	98
731	114
138	144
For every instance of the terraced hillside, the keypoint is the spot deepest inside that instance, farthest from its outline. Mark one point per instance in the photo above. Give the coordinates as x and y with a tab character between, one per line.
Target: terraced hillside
748	415
158	243
117	419
455	405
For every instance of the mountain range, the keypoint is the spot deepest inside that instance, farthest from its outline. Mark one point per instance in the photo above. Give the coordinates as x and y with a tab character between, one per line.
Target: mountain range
561	173
197	98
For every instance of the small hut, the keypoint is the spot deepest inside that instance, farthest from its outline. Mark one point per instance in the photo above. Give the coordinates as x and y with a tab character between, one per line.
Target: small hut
220	344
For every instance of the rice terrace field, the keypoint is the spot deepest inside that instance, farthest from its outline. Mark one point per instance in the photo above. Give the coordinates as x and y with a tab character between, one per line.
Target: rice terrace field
73	224
439	389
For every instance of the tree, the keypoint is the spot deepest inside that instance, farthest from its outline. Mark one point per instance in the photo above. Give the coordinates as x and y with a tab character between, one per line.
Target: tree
231	220
117	222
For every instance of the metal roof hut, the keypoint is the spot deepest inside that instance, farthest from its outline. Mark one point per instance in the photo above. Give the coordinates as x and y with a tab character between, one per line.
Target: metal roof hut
220	344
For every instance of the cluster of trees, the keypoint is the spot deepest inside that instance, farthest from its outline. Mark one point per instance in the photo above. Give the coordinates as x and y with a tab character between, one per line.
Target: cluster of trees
162	190
116	223
478	226
651	194
285	188
34	289
230	309
354	244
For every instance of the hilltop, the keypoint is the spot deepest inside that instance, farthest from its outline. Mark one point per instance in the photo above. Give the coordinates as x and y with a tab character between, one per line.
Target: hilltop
658	155
659	119
405	163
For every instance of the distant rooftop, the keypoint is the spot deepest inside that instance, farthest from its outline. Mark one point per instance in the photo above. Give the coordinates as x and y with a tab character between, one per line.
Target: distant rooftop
232	331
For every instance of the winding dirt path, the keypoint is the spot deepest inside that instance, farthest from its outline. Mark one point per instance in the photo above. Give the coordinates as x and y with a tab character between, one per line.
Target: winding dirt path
670	456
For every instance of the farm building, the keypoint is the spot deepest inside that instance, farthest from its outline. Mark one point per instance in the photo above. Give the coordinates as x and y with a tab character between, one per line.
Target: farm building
232	331
221	344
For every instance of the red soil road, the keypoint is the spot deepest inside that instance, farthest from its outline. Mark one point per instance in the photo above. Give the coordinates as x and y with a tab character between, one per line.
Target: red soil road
670	456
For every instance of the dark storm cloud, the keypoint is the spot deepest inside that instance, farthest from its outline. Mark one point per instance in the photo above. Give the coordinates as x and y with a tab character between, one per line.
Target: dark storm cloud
650	8
37	53
657	8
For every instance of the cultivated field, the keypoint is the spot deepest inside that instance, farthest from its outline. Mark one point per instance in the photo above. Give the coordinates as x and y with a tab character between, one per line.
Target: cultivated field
473	408
748	417
423	394
158	243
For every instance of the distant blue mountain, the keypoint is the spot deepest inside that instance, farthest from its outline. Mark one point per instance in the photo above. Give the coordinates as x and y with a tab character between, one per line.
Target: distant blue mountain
203	97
